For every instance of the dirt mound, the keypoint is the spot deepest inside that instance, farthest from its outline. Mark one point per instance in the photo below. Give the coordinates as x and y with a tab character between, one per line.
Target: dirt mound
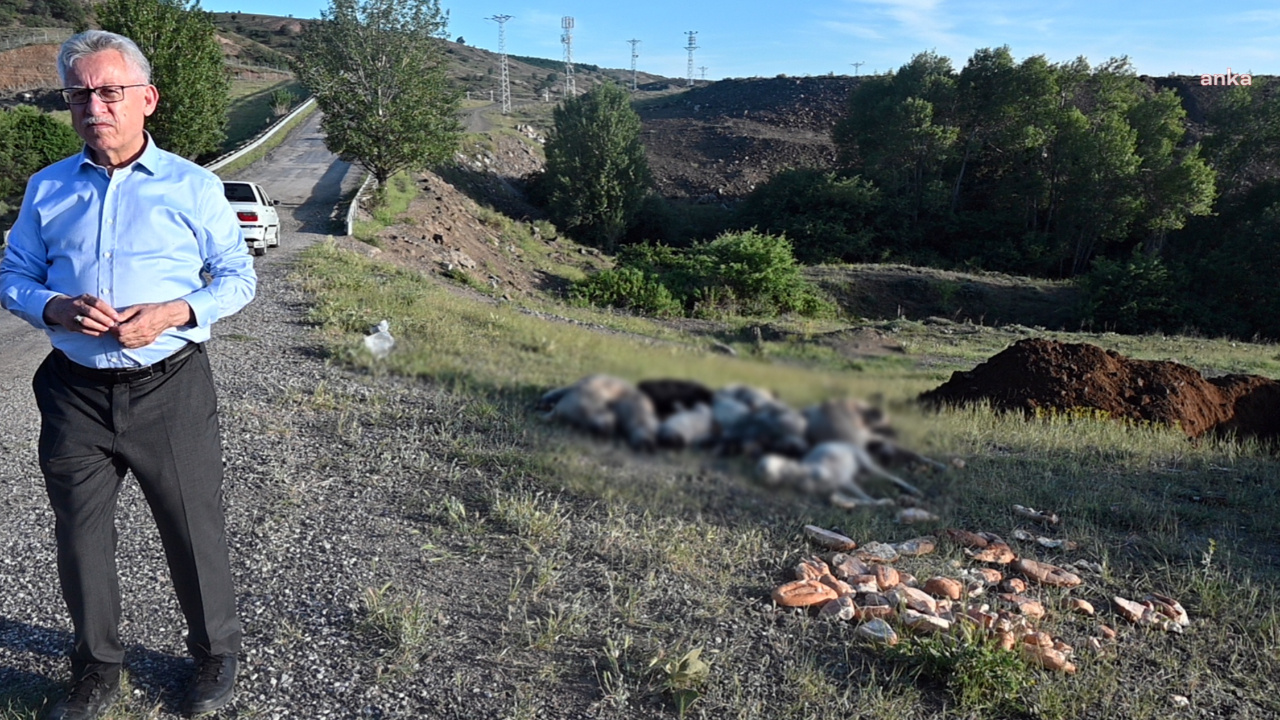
1037	374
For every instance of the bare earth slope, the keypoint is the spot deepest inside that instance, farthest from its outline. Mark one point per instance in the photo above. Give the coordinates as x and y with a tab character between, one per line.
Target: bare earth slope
722	140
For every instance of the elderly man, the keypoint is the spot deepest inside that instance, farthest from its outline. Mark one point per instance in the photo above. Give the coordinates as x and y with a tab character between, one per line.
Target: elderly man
109	256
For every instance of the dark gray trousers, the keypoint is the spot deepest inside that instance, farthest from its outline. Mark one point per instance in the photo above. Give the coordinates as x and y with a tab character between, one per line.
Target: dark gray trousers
164	429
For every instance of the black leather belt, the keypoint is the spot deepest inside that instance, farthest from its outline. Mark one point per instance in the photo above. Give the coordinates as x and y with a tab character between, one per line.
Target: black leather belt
129	375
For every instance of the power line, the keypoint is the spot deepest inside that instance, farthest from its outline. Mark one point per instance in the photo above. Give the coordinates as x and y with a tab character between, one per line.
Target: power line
693	45
502	60
634	55
570	88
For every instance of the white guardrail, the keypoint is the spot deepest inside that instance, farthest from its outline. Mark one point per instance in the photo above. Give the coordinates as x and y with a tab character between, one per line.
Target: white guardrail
355	204
262	137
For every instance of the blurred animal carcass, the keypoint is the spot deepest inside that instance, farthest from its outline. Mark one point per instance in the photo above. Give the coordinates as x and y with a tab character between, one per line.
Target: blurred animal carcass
824	449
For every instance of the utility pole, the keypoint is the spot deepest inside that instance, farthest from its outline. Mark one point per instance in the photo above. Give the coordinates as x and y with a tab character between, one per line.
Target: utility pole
693	45
502	60
634	55
856	66
570	88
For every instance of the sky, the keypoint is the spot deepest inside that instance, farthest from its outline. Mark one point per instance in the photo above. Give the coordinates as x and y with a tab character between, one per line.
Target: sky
755	38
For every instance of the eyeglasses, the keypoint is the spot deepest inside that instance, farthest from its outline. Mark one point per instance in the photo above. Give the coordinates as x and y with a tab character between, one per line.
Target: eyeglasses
105	93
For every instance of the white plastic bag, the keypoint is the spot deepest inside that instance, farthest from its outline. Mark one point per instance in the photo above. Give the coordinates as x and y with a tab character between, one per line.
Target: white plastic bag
380	342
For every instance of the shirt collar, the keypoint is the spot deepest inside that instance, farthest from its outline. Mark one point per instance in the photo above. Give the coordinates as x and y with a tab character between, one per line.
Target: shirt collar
148	161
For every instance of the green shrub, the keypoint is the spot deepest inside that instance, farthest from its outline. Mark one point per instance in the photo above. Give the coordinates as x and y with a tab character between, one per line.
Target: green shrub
1130	296
737	273
30	140
627	287
827	217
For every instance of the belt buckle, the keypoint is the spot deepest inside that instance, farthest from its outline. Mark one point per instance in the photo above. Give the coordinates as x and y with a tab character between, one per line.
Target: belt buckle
145	373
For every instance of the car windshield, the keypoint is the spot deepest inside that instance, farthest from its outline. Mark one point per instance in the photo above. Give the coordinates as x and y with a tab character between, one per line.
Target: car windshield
239	193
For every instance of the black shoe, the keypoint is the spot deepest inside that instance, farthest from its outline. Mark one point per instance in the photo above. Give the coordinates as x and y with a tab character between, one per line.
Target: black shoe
211	688
91	694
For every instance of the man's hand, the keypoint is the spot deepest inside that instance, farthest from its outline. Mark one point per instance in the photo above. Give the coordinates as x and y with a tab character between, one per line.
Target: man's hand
140	325
83	314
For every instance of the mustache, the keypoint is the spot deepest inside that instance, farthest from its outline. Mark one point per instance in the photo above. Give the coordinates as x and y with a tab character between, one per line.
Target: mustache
91	120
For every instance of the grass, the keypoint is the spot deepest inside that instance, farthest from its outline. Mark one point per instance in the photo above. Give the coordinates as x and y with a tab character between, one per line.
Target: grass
396	196
624	559
261	151
251	109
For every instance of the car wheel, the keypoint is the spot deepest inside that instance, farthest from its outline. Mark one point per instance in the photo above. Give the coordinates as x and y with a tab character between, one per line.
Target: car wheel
259	252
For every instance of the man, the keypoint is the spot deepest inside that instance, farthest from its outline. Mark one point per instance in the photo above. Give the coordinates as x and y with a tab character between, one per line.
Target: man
108	257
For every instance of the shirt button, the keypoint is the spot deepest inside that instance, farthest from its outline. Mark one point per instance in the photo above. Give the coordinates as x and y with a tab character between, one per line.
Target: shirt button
110	222
106	254
105	291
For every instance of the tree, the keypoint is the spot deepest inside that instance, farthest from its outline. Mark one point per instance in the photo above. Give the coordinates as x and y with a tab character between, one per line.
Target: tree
377	70
597	176
186	66
29	140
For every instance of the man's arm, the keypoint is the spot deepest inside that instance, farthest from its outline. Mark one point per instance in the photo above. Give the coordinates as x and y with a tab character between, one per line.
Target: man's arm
226	260
25	268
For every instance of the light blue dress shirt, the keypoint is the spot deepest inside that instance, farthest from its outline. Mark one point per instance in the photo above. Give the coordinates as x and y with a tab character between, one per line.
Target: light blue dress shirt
146	233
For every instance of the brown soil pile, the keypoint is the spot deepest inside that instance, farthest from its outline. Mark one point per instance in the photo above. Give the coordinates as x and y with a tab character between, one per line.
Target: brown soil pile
1044	374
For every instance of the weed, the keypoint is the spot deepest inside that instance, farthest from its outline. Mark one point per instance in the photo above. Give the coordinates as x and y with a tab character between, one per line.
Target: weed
682	678
530	516
560	622
981	677
401	624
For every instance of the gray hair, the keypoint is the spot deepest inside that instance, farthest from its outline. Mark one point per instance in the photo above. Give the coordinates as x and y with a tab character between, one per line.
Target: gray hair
90	42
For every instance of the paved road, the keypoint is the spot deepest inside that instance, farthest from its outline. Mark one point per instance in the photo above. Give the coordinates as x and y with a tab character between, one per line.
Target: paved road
307	179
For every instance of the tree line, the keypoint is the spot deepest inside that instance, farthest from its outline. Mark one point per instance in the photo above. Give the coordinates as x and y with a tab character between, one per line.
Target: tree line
1048	170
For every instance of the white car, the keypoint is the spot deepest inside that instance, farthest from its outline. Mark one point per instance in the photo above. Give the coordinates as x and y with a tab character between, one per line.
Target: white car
256	212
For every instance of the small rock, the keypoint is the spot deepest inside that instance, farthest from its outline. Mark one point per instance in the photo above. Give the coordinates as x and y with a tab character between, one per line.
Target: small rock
841	587
990	576
802	593
828	539
1106	632
1180	701
944	587
924	623
1170	608
1128	609
813	568
842	608
1026	606
873	612
864	584
1077	605
910	516
846	566
1046	574
877	552
877	631
1048	658
916	547
998	553
914	599
1013	585
1046	518
886	577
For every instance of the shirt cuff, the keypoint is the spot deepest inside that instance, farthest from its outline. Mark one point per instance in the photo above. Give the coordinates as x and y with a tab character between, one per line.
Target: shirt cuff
203	306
